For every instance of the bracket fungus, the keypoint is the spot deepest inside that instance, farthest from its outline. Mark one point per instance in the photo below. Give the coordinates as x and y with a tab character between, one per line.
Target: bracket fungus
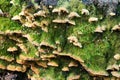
74	77
60	21
74	41
55	10
44	25
19	61
35	69
64	21
3	64
60	10
16	68
52	63
29	24
112	14
113	67
47	45
116	74
17	17
43	64
73	14
71	22
63	9
22	47
12	49
65	69
9	59
48	56
1	12
116	27
73	64
48	37
117	56
85	12
28	37
92	19
40	13
100	29
15	39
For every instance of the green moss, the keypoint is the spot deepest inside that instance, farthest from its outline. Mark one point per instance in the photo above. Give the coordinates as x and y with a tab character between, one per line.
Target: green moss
4	46
7	24
31	51
3	62
5	5
56	73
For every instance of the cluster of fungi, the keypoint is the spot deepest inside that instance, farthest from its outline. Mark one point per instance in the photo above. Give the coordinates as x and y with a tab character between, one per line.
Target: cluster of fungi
48	44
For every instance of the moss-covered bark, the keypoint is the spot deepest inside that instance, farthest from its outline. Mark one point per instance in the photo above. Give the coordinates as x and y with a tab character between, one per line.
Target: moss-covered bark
67	41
